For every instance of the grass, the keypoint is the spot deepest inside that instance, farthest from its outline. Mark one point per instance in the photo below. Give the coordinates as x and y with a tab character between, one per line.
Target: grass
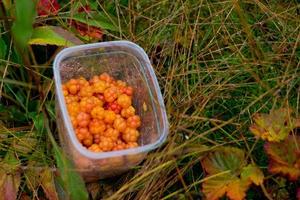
217	62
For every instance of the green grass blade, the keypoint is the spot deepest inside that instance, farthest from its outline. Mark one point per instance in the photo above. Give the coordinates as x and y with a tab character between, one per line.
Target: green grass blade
22	26
72	181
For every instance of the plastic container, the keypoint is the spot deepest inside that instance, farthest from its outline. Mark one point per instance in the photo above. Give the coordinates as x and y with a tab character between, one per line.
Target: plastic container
124	61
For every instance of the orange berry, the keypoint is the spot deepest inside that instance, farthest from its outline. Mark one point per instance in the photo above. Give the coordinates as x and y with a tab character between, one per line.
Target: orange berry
119	145
128	91
106	144
109	116
97	126
71	98
65	90
72	81
88	103
73	108
120	84
112	133
95	148
83	119
105	77
82	82
73	89
82	133
131	145
87	142
134	121
128	112
86	91
99	86
110	94
130	135
124	101
95	79
114	107
98	112
120	124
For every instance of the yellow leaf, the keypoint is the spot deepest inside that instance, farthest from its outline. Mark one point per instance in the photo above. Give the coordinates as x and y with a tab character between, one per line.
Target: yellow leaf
216	187
237	189
275	126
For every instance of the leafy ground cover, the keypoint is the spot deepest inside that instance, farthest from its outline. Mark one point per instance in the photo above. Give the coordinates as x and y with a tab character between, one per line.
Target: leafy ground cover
219	64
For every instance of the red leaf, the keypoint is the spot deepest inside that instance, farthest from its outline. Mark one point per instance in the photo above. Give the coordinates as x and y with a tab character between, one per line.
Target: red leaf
47	7
11	186
298	193
284	157
86	30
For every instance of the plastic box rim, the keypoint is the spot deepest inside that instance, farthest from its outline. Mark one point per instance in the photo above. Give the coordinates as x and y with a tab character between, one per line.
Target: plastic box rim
61	100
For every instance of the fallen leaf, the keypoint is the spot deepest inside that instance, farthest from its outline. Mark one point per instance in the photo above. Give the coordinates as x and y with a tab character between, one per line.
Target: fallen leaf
10	177
284	157
229	174
86	30
11	186
275	126
47	183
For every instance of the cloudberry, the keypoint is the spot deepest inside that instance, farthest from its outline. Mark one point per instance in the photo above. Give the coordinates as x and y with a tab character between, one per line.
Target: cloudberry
124	101
128	112
97	126
110	94
134	121
83	119
120	124
109	116
98	112
130	135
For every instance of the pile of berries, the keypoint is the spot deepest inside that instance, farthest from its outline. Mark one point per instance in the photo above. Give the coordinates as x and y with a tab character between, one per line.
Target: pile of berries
101	113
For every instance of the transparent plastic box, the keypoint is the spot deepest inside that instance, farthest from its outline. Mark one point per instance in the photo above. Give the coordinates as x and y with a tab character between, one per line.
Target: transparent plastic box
124	61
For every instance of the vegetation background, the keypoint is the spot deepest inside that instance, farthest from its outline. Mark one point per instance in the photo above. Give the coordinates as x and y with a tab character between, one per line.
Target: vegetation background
218	63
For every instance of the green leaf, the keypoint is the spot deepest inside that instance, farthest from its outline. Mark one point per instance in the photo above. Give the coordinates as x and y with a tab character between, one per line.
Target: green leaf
54	36
22	26
72	181
96	19
284	157
253	173
227	158
228	173
38	121
3	49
